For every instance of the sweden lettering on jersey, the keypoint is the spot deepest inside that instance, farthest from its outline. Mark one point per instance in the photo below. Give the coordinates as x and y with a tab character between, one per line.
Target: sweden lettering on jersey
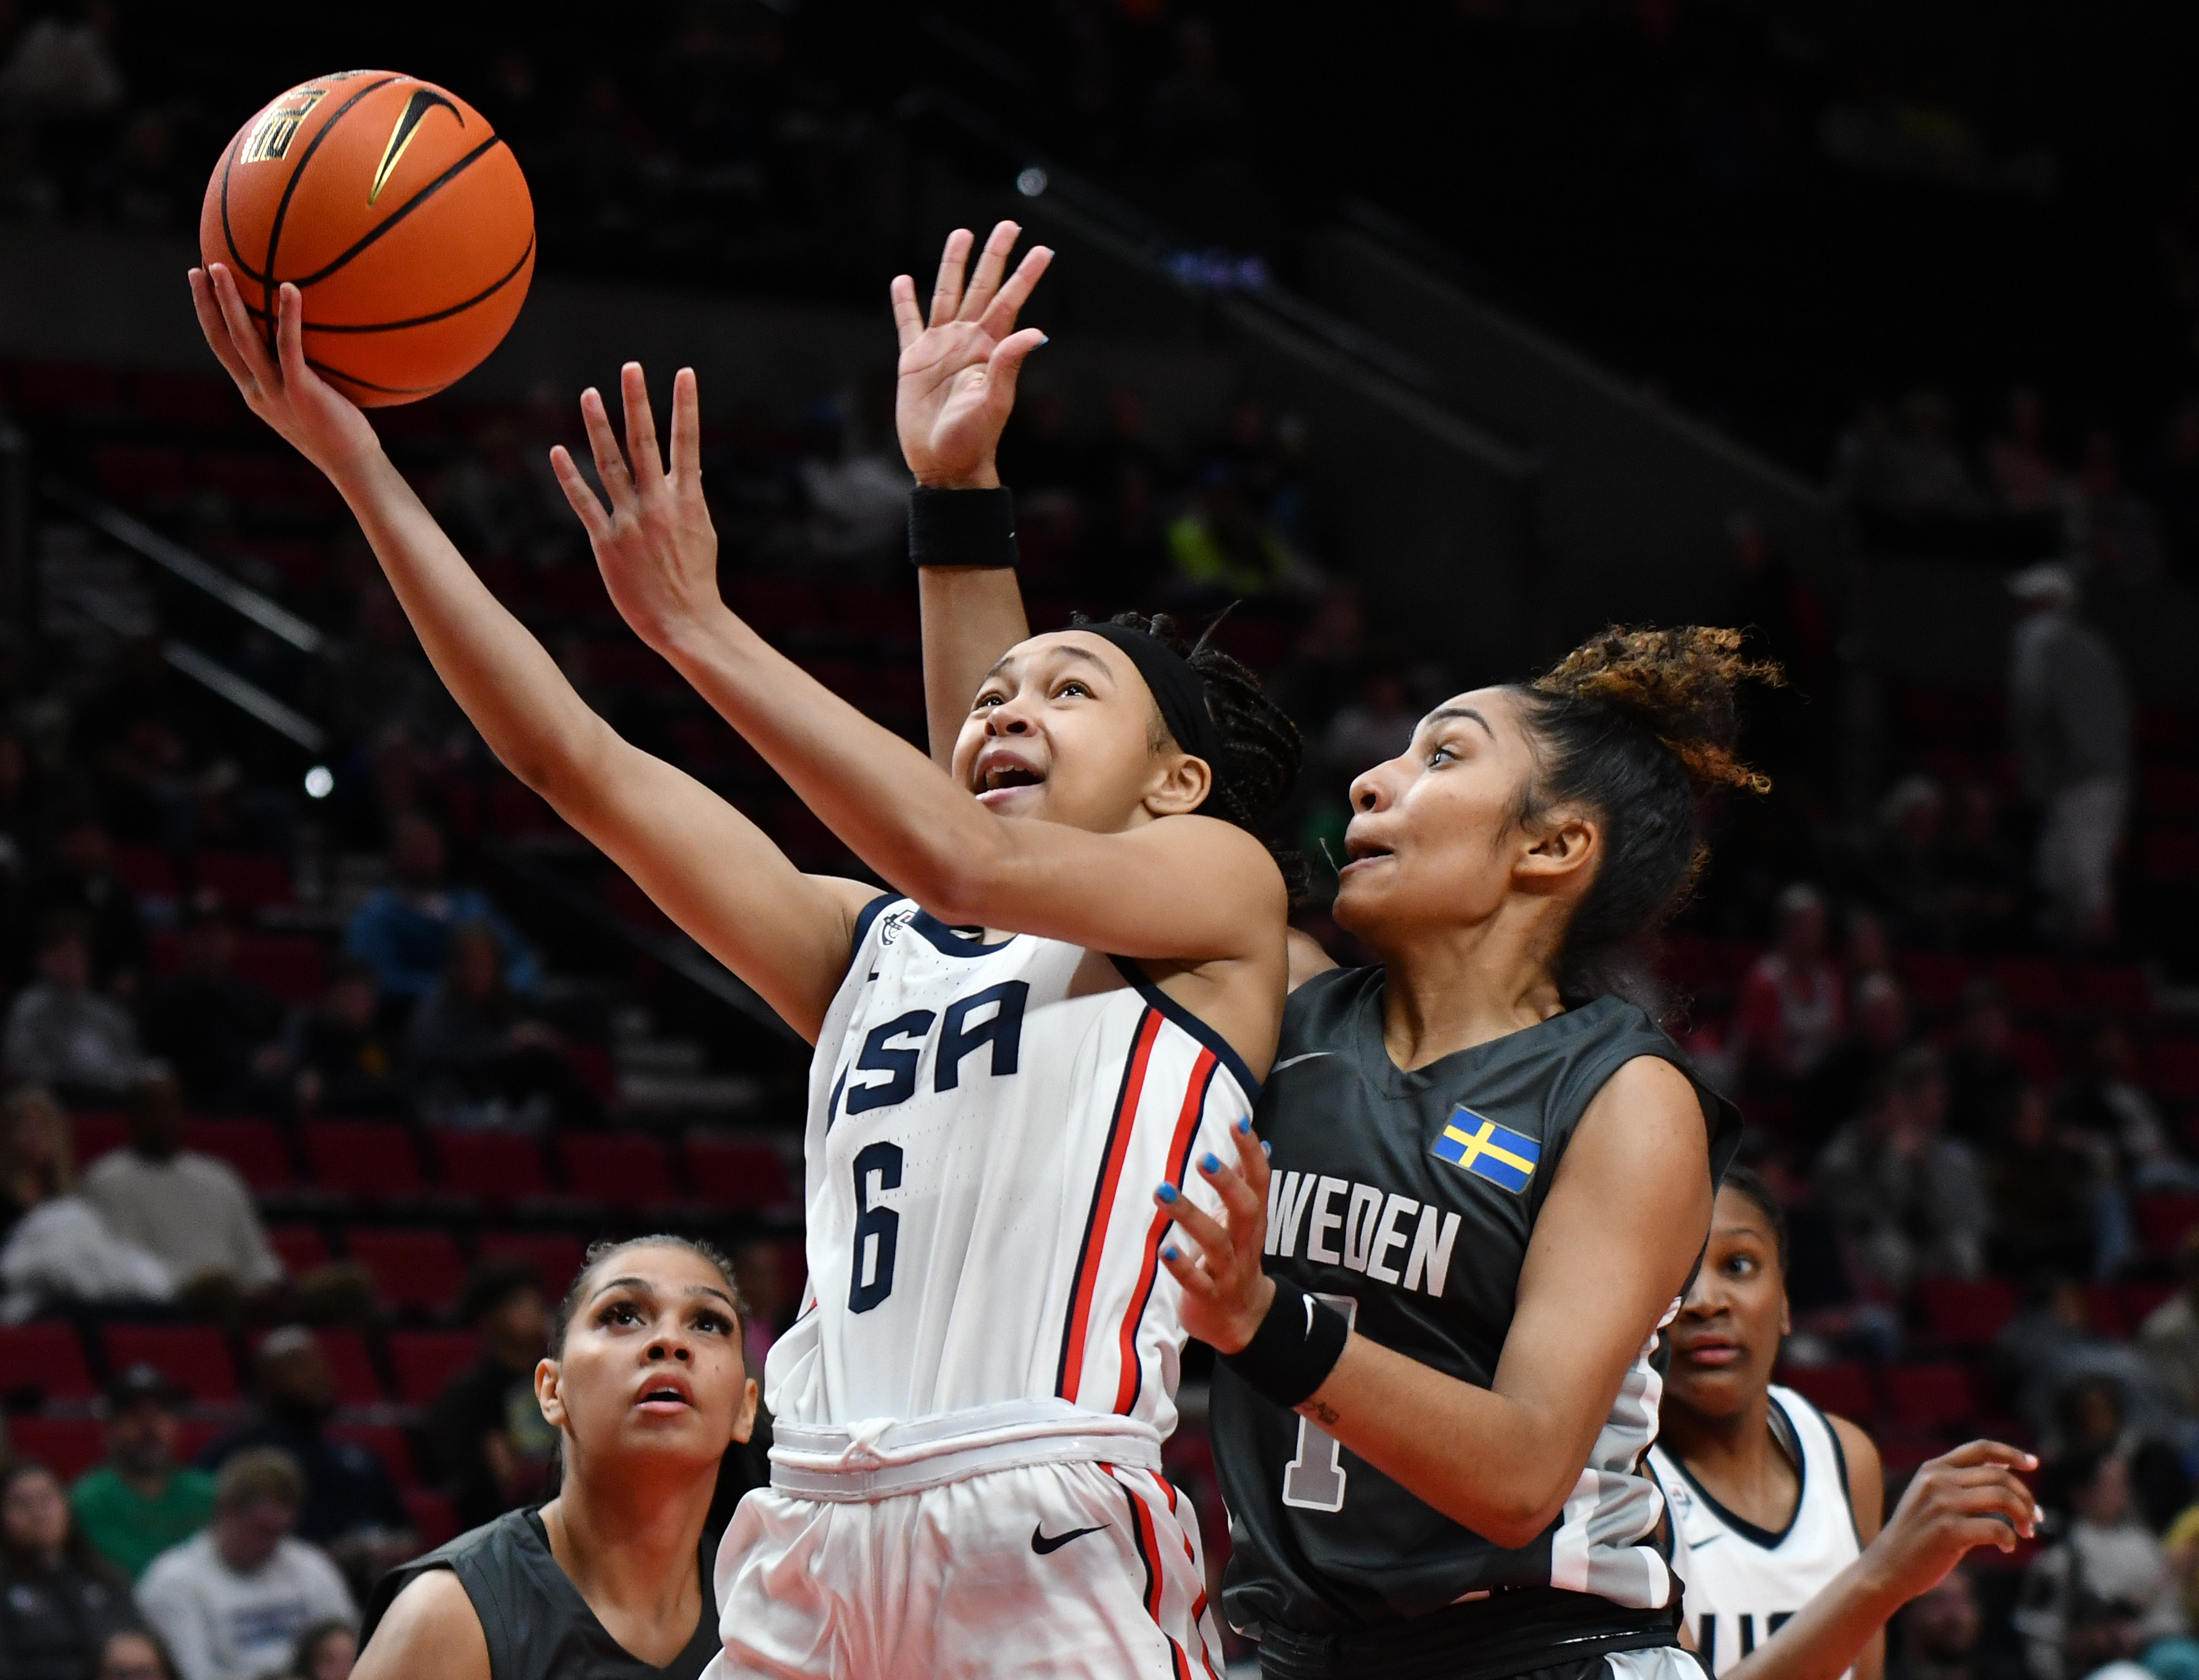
984	1133
1744	1582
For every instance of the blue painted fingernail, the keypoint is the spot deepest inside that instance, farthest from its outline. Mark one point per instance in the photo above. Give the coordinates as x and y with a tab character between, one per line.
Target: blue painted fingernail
1210	1162
1169	1254
1267	1148
1244	1125
1166	1193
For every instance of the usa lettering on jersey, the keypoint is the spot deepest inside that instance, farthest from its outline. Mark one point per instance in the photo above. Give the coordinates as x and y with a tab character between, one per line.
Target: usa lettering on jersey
1390	1237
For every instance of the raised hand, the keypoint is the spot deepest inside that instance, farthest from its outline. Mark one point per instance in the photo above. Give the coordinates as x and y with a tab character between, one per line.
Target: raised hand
656	545
1226	1291
1971	1496
958	370
323	424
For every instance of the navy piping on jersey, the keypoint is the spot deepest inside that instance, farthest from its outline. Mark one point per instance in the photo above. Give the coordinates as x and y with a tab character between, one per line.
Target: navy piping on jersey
1741	1526
948	942
1839	1459
864	918
1169	1007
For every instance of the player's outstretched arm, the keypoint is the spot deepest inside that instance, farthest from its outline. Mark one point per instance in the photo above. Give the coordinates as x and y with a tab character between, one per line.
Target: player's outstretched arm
711	871
955	389
1624	1219
1972	1496
1189	890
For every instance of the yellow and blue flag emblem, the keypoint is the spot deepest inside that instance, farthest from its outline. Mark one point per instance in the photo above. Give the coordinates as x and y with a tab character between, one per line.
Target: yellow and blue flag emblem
1504	1156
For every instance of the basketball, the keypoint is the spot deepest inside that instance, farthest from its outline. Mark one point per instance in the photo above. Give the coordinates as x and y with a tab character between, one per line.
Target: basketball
395	210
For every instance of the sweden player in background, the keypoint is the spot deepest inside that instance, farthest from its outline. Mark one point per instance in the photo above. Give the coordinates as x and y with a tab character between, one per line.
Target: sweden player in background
1073	990
1492	1175
1776	1505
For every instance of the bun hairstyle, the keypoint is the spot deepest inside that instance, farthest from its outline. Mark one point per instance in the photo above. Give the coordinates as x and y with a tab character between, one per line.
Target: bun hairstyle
1261	749
1636	725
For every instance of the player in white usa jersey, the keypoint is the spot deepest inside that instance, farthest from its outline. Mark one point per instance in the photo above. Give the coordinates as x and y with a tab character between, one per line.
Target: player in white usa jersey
1775	1506
1067	997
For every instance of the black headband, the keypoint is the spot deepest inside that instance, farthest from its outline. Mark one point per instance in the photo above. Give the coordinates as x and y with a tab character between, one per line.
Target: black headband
1177	690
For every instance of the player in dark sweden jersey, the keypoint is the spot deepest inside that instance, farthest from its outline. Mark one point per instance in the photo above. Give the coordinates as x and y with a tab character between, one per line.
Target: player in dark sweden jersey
1767	1597
610	1580
1498	1169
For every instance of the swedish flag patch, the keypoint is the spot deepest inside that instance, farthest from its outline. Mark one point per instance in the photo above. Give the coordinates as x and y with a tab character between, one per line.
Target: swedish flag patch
1505	1158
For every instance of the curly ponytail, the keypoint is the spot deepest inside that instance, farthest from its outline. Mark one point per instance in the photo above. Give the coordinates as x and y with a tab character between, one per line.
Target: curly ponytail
1636	725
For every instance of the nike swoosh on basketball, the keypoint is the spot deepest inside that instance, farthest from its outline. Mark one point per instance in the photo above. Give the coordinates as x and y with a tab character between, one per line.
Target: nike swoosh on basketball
1042	1543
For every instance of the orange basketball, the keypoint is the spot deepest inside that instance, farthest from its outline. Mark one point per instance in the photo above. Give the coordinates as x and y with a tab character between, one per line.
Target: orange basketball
394	207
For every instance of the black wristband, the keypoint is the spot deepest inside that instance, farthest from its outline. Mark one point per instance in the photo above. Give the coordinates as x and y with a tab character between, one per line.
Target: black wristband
961	527
1295	1347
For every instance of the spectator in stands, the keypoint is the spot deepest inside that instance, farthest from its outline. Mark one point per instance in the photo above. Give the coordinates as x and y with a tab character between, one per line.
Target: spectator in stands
217	1030
58	1601
132	1654
342	1063
477	1057
58	1248
2105	1592
62	1033
1856	1069
2091	1415
141	1502
1910	1201
2117	532
2069	713
2018	461
35	1157
1942	1637
325	1651
1792	1013
492	1445
2053	1347
350	1506
63	66
2109	1100
1929	479
2170	1335
1908	862
2046	1187
404	931
190	1210
1983	1074
232	1602
79	877
1985	877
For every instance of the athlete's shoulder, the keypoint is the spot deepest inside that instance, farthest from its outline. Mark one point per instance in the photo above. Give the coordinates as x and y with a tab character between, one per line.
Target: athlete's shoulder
1318	1005
428	1626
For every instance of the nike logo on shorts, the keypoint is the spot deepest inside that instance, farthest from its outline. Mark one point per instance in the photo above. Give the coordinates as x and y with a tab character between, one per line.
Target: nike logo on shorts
1042	1543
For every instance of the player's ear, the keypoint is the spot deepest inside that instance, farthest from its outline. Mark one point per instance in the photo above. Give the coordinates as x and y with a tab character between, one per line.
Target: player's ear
1179	786
549	1393
1561	850
1786	1317
745	1419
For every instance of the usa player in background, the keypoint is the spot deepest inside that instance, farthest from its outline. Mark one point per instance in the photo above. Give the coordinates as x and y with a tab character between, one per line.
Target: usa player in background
1776	1505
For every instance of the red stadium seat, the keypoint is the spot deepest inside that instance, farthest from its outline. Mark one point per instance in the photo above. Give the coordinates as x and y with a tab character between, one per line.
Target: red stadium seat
1965	1313
357	1383
1935	980
2120	988
2176	1068
363	1157
67	1446
193	1435
1929	1397
302	1248
1843	1388
146	871
244	880
2031	985
2139	1301
47	1358
425	1361
2162	1220
414	1271
288	964
623	1168
193	1356
385	1443
255	1147
95	1135
736	1174
494	1166
556	1257
434	1520
2105	1306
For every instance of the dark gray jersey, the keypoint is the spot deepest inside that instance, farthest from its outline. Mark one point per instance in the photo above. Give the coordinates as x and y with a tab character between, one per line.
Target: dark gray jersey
1409	1200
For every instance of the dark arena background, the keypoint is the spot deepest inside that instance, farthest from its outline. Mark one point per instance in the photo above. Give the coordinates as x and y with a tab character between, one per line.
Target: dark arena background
1436	335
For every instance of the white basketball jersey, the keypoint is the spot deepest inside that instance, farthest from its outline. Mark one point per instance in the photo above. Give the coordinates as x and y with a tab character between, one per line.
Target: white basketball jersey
1743	1582
982	1154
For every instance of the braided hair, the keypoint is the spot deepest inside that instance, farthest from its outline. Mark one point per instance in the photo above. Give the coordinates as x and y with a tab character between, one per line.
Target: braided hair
1636	725
1261	752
